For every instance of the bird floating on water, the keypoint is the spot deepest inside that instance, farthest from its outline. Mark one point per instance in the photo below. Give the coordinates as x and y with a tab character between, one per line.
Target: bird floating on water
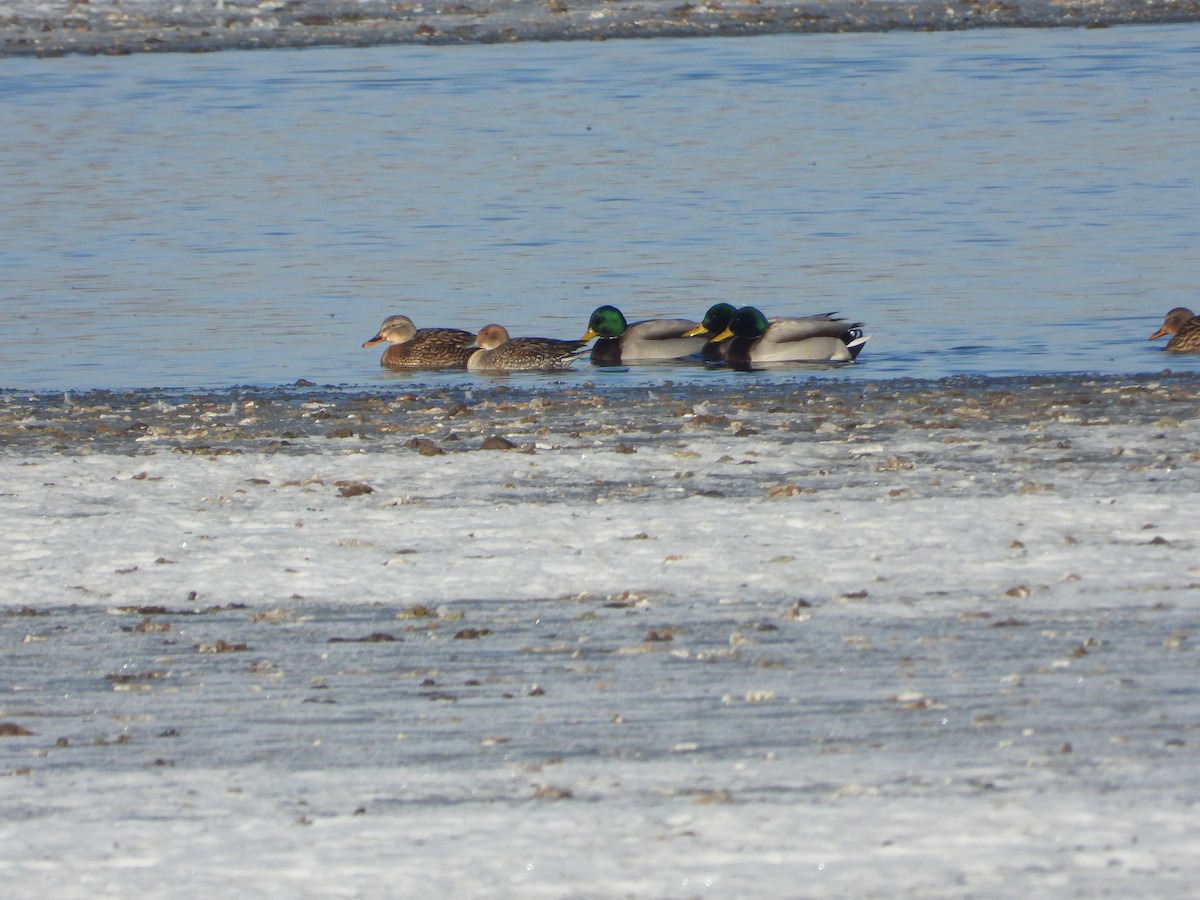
492	350
421	348
715	321
653	339
1184	327
753	338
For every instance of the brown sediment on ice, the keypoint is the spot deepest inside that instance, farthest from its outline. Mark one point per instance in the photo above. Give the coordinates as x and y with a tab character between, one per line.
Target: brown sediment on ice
32	28
442	419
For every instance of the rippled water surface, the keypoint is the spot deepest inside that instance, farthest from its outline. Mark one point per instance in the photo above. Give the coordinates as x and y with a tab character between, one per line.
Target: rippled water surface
994	203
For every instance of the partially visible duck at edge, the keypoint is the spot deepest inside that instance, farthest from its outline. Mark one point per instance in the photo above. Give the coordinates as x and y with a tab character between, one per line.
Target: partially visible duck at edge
492	350
654	339
715	321
1184	327
421	348
753	338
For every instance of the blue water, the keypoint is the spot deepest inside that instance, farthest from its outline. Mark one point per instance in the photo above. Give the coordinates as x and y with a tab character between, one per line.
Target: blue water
992	202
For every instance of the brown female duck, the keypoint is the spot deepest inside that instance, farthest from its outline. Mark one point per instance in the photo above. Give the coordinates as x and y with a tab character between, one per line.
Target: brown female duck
492	350
421	348
1184	327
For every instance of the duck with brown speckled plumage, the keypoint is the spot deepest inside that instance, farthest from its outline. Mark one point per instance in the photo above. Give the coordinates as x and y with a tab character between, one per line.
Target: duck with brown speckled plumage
421	348
1184	327
494	351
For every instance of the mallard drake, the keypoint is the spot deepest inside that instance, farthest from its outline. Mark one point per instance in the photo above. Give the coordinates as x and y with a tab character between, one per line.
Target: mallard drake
653	339
1184	327
492	350
424	348
753	338
715	321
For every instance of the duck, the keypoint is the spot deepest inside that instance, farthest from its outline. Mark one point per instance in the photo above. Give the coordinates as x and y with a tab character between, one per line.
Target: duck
1184	327
753	338
654	339
424	348
492	350
715	321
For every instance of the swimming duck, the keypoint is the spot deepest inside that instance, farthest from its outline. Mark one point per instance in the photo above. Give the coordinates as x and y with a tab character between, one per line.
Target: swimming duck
492	350
753	338
653	339
715	321
1184	326
425	348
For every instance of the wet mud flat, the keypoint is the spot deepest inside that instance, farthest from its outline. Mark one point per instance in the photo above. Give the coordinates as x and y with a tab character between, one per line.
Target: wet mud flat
437	419
40	28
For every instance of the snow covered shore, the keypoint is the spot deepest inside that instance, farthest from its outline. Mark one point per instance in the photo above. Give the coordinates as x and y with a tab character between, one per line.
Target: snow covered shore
58	27
895	639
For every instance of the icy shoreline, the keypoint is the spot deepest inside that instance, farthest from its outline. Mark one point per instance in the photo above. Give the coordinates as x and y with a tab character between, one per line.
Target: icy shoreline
837	639
53	28
524	409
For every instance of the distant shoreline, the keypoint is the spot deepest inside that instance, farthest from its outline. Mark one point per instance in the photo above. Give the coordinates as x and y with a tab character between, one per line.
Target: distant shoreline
47	28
